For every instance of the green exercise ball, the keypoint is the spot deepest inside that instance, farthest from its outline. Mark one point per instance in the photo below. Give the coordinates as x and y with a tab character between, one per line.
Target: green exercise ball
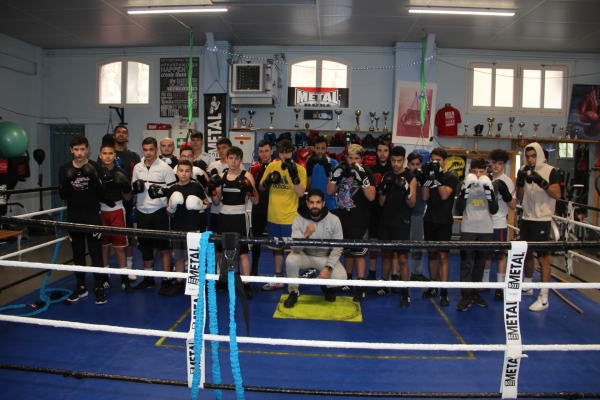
13	139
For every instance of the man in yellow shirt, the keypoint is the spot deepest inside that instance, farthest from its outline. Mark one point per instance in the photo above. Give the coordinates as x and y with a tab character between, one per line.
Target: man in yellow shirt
286	182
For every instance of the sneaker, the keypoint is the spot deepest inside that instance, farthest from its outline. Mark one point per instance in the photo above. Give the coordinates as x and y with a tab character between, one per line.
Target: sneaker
444	302
396	289
274	285
126	287
405	298
248	291
132	278
499	295
464	303
540	304
309	273
329	296
342	289
429	293
100	296
381	291
371	276
147	283
291	300
77	294
106	283
165	284
359	295
480	301
418	277
175	288
528	292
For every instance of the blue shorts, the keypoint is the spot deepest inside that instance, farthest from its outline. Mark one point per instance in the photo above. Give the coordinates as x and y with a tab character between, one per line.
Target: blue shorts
278	231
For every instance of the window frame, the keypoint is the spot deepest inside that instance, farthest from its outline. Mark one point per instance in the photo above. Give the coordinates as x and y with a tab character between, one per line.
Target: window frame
320	60
124	70
517	108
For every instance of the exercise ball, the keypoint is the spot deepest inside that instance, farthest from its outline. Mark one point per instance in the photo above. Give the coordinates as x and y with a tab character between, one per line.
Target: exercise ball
13	139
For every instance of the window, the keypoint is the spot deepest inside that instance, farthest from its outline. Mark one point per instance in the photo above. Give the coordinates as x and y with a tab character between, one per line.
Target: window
124	81
565	150
518	88
319	72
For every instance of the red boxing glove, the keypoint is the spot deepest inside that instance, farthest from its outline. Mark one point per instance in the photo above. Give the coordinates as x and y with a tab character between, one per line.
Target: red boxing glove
378	178
255	169
304	153
370	160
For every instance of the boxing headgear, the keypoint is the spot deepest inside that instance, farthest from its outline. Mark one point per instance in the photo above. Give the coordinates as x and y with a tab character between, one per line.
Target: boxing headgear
270	137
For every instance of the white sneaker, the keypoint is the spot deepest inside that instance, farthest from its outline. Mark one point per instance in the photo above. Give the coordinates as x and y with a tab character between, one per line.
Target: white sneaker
132	278
540	304
273	286
528	292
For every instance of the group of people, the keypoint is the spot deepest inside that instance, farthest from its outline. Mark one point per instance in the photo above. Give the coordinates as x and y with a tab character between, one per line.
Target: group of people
399	198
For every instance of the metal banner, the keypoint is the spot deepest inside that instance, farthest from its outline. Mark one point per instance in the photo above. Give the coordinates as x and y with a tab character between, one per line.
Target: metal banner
215	120
318	97
193	248
514	273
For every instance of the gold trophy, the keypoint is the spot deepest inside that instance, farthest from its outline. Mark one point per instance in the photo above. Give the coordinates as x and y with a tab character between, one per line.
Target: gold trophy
568	132
251	114
297	111
271	113
521	140
535	129
357	113
499	128
338	113
377	124
490	123
385	114
372	114
235	112
562	128
553	128
511	120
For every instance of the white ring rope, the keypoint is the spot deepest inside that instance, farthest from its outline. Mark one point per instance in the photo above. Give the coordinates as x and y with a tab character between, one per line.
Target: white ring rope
298	342
303	281
27	250
28	215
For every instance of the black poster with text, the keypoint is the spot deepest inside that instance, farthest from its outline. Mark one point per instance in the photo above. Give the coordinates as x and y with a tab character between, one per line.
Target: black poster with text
174	86
215	120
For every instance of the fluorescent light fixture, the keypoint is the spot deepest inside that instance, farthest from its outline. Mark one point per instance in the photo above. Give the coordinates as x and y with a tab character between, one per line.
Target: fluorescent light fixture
175	10
461	11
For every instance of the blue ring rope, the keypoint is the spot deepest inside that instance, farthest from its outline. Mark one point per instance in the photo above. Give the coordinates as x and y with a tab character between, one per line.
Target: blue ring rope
212	309
43	290
234	355
199	318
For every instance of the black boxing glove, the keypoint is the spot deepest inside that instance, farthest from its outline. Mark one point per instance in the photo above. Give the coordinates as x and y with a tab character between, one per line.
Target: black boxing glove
387	182
273	178
418	173
246	186
200	164
292	169
534	177
359	174
213	183
402	184
340	171
90	172
503	191
326	163
522	175
311	161
155	192
138	186
121	182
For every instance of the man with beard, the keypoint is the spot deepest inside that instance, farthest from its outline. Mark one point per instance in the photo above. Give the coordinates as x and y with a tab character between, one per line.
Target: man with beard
126	159
167	147
315	223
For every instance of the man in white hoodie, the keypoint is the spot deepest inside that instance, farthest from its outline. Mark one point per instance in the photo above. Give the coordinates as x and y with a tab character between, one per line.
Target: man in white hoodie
315	223
538	189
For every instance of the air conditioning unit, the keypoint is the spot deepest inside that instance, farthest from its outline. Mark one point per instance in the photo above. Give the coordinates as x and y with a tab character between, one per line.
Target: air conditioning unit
254	84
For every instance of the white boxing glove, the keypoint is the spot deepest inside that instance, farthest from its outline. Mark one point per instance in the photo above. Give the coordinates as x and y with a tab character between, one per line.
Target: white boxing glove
196	172
175	200
194	203
470	180
485	180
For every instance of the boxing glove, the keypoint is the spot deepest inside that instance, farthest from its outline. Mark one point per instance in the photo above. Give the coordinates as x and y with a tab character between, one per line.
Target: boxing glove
200	164
470	180
488	188
194	203
340	171
522	175
246	186
534	177
378	178
175	200
255	169
311	161
138	186
387	182
273	178
505	194
118	162
155	192
402	184
359	175
418	173
121	182
292	169
90	172
213	183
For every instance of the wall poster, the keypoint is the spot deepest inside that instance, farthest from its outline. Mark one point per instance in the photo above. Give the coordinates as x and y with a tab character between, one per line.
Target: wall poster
407	127
174	86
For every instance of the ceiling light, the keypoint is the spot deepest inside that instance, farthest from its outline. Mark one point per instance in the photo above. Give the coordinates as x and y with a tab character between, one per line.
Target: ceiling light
462	11
175	10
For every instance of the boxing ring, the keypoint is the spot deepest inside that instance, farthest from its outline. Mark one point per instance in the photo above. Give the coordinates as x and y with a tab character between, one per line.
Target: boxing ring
203	279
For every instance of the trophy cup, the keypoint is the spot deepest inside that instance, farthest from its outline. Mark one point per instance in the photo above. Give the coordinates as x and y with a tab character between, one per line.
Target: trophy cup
338	113
466	127
553	127
490	123
499	128
357	113
243	122
297	111
271	113
576	134
511	120
385	114
562	128
377	124
535	129
235	112
372	114
568	132
251	114
521	140
478	130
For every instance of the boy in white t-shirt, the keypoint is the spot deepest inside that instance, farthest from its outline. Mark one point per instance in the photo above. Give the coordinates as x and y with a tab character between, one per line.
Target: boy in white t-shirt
506	200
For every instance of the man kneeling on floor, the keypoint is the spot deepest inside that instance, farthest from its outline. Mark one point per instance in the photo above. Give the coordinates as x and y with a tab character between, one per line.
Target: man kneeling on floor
315	223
